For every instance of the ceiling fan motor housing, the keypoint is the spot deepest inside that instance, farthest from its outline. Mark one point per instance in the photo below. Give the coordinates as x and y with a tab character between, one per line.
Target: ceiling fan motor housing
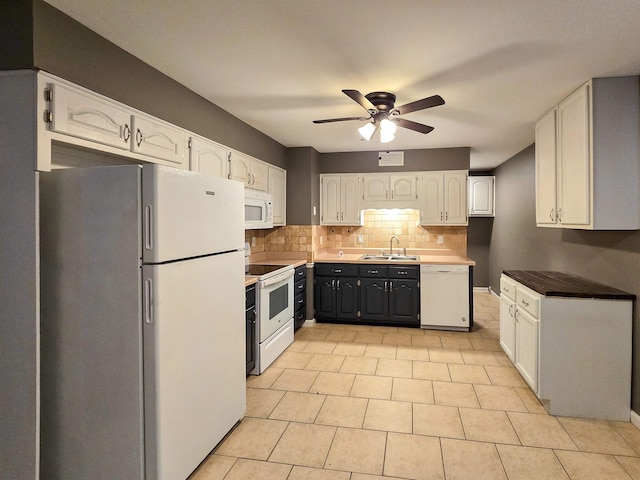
383	101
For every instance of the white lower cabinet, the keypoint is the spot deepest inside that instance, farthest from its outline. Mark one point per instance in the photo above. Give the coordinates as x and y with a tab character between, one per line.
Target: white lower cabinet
574	352
526	347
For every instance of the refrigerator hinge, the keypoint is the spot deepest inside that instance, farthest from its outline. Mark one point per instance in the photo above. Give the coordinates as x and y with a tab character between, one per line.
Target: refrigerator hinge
48	95
229	165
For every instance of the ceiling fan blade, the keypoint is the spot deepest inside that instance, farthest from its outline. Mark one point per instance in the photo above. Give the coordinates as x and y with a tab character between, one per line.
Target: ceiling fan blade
344	119
357	97
428	102
418	127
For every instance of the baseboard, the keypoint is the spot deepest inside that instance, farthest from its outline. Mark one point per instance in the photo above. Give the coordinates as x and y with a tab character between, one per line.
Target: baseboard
481	289
635	419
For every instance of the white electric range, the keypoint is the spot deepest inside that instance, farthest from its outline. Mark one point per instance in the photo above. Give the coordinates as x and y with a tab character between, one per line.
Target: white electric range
274	311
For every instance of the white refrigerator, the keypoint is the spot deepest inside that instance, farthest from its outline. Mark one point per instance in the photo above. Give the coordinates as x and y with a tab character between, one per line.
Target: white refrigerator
142	320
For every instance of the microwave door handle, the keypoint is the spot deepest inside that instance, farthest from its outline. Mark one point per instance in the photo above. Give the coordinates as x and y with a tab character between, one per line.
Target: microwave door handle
269	211
277	278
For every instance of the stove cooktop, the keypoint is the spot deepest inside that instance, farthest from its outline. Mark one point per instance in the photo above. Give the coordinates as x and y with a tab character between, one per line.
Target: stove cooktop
259	270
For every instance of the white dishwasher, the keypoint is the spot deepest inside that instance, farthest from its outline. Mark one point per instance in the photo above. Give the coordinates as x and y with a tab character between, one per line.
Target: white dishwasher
444	297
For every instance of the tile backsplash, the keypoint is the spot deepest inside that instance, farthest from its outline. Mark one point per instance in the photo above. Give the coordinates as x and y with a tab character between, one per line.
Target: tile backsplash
379	226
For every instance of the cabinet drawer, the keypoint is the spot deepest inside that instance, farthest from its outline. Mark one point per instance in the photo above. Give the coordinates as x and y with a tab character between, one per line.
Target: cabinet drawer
409	271
528	300
336	269
250	297
299	286
301	272
373	271
299	301
507	287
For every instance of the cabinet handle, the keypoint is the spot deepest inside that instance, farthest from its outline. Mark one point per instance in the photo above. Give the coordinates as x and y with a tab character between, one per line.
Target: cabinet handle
440	216
126	134
446	217
139	137
505	289
403	273
551	215
373	271
391	286
342	216
386	194
333	284
337	284
391	193
336	270
559	215
385	286
525	303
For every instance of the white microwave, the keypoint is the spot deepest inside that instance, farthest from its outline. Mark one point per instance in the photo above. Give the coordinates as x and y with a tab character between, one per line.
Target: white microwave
258	210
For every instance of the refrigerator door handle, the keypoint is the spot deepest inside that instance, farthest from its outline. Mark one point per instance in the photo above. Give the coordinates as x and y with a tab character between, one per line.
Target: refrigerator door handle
148	237
148	301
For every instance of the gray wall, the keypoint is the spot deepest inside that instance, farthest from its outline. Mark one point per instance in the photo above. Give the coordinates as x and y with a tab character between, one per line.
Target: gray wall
478	242
414	161
68	49
609	257
303	190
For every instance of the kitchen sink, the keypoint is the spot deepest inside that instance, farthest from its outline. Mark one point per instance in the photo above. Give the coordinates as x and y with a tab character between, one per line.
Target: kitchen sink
391	258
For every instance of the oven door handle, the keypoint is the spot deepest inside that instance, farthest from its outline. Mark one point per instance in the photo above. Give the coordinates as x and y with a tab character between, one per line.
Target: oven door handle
277	278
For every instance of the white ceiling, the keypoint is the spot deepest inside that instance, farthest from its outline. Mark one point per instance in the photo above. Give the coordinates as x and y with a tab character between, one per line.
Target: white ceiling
279	64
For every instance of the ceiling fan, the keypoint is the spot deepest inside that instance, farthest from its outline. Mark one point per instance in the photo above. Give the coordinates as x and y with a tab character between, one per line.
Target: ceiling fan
384	114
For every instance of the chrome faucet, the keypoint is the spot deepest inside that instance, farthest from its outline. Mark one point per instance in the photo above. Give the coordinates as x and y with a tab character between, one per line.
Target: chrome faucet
391	244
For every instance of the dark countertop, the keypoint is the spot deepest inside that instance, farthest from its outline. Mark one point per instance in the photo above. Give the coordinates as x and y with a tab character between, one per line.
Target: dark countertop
560	284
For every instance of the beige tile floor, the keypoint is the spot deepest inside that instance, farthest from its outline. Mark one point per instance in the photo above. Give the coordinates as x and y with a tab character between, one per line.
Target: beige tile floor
350	402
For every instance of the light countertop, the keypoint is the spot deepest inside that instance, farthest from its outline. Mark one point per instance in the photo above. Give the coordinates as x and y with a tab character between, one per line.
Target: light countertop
427	257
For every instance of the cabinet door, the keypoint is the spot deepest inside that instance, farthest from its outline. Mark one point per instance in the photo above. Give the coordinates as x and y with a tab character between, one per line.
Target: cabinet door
350	200
527	348
574	159
403	188
208	158
403	300
455	198
330	201
432	204
251	339
325	297
88	116
259	175
158	139
375	188
347	297
546	154
278	189
508	326
374	299
481	196
240	168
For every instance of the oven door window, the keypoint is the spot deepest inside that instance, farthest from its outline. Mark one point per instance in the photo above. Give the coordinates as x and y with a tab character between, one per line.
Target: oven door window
278	300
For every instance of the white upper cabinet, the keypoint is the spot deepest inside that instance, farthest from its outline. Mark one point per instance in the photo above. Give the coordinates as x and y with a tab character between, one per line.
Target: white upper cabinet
85	115
587	169
158	139
340	200
381	190
546	153
444	198
252	172
208	157
278	190
481	196
90	120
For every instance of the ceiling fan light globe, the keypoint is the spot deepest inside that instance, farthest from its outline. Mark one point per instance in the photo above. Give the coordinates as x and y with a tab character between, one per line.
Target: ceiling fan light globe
387	126
366	131
386	137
